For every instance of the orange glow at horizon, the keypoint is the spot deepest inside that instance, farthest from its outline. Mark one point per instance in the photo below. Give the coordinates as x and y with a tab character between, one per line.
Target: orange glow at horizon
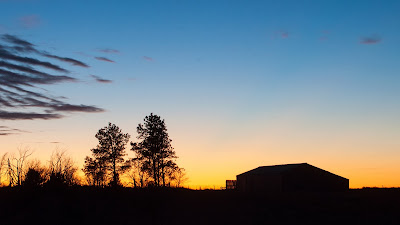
227	151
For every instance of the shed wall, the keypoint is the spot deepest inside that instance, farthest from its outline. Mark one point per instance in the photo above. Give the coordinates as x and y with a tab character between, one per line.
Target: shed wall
309	178
259	183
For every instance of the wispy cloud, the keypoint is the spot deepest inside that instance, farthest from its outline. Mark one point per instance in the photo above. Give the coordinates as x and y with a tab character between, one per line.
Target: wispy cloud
6	115
281	34
73	108
370	40
100	80
104	59
6	55
30	21
23	46
68	60
108	50
325	35
22	76
5	130
284	34
147	58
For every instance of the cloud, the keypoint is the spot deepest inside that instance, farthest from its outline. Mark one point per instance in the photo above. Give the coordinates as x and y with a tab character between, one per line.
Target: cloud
108	50
21	78
370	40
147	58
25	47
100	80
68	60
104	59
17	41
25	69
30	21
5	115
284	34
73	108
5	130
6	55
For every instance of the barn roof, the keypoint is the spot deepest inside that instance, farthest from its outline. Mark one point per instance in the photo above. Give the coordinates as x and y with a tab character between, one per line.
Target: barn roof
276	169
279	169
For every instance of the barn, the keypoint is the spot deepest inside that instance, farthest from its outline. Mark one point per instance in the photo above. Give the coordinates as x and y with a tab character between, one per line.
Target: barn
290	177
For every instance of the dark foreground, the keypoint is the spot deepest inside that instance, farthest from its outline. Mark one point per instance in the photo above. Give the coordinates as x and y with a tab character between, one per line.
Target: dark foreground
84	205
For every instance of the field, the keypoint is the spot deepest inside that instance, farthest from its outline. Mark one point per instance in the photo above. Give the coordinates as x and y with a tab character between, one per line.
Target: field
86	205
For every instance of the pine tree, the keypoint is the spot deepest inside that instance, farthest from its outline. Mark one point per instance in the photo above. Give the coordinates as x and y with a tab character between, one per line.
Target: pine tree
154	149
108	156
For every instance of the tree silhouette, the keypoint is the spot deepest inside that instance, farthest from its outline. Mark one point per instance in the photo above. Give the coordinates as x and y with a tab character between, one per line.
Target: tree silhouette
3	163
33	178
136	176
36	175
16	167
61	171
95	171
154	150
108	156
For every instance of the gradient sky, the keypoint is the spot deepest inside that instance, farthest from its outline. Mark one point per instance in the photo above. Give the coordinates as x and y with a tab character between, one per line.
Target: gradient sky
240	84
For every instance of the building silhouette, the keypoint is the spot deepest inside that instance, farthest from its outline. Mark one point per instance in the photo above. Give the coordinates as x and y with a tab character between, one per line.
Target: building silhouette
290	177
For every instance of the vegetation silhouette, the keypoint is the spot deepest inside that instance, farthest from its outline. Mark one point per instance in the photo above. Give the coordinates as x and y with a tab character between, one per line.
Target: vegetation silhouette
154	152
33	178
108	161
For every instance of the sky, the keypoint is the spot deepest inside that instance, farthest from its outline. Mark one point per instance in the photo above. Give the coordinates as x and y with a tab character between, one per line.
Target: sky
240	84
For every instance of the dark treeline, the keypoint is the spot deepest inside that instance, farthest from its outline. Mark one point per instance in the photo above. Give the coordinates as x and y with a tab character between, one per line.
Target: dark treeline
153	164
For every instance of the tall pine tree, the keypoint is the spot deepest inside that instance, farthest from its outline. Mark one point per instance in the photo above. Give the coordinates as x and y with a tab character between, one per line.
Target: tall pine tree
108	157
154	149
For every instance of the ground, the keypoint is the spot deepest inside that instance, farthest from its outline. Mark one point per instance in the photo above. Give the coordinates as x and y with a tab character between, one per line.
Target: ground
85	205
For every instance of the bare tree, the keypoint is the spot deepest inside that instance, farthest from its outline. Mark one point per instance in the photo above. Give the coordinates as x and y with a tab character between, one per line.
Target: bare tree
3	163
61	169
136	176
95	171
180	177
16	167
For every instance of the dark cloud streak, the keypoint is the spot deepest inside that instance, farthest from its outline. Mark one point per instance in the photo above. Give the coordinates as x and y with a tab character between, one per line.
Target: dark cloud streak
104	59
101	80
74	108
25	46
68	60
5	115
15	40
370	40
4	54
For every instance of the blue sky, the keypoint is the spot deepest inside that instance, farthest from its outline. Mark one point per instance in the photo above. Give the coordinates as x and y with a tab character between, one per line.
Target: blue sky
288	76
